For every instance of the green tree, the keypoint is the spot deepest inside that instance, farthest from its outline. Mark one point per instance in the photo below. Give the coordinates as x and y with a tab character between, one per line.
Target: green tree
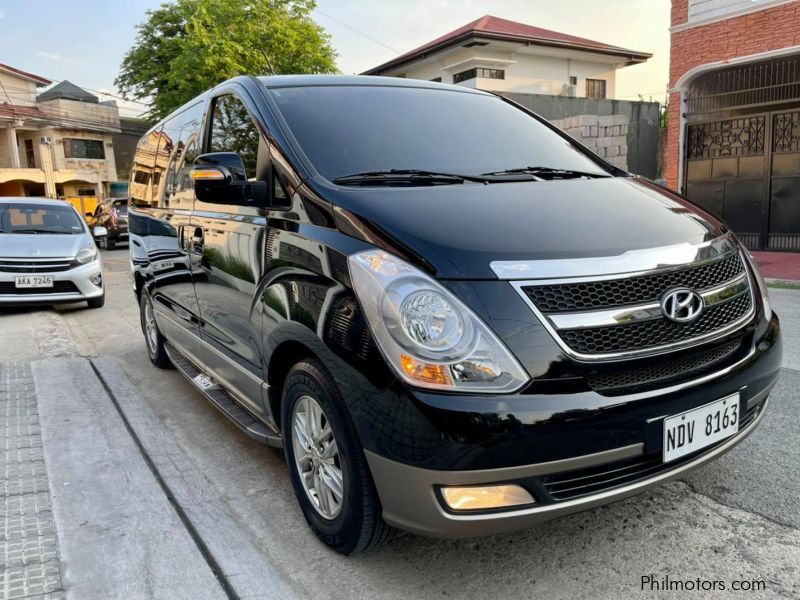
187	46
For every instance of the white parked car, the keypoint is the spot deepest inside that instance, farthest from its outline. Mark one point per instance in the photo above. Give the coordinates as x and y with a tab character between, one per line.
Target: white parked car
47	254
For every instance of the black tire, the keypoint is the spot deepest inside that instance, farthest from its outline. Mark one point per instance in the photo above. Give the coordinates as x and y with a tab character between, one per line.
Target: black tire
97	302
155	349
359	525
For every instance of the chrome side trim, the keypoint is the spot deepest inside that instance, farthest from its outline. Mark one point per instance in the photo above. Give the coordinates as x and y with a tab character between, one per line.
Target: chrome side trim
642	312
630	263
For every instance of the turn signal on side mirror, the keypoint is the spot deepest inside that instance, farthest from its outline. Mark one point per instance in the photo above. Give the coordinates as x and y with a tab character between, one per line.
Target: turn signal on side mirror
208	174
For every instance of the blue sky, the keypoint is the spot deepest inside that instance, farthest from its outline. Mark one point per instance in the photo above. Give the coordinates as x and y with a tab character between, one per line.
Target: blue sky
84	40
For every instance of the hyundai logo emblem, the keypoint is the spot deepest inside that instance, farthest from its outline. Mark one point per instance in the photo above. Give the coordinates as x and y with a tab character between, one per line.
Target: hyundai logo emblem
682	305
32	252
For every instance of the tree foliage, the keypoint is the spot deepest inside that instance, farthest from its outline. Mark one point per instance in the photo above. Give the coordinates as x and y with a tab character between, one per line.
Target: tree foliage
187	46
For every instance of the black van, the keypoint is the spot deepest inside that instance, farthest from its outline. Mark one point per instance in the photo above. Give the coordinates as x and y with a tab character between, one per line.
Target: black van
453	318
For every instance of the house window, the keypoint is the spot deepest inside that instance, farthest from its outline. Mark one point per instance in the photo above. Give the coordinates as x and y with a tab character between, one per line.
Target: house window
30	157
75	148
142	177
573	80
596	89
479	72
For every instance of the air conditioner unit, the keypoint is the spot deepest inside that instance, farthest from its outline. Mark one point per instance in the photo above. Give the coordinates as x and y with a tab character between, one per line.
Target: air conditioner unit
45	139
569	90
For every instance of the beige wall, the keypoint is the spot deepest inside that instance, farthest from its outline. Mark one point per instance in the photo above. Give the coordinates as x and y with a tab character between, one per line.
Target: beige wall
16	90
105	168
69	112
5	148
524	73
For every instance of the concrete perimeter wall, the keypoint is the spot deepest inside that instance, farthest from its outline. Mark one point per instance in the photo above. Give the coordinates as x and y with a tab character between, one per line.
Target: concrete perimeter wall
643	125
606	136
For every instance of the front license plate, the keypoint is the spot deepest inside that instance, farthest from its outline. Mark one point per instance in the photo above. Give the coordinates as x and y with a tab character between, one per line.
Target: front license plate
700	427
163	265
34	281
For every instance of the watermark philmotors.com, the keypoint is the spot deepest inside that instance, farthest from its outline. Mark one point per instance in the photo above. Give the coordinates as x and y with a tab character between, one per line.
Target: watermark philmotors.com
653	583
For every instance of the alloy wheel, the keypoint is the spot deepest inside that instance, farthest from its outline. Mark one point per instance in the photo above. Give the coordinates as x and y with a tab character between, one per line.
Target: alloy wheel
150	329
316	457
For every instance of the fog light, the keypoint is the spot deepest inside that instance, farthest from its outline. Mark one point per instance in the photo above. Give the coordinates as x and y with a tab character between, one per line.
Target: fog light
482	498
97	279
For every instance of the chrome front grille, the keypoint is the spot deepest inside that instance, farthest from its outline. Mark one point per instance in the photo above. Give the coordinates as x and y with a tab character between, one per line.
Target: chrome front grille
612	317
42	265
664	372
655	332
633	290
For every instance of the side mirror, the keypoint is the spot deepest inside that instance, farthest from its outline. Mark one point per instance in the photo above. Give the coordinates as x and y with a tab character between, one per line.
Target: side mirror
99	232
221	178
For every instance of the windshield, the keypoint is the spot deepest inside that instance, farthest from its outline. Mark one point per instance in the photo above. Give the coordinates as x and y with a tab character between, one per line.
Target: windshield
345	130
121	206
35	218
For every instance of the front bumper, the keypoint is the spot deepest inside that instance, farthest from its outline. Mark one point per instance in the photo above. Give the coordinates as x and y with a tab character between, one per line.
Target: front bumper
73	285
570	451
411	501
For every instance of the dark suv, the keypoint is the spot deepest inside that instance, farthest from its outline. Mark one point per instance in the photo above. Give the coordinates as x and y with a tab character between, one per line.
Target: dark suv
453	318
113	215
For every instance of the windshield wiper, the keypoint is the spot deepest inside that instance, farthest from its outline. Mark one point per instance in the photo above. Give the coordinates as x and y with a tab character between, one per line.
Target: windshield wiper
36	231
408	176
548	172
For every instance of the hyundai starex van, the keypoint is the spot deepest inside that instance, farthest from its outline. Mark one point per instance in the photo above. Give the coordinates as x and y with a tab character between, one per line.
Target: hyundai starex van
453	318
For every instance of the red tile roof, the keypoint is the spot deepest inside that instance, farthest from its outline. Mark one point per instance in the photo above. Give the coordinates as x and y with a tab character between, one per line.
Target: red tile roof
31	76
490	27
21	112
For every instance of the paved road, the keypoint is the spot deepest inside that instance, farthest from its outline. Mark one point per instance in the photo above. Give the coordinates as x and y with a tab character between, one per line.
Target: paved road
736	519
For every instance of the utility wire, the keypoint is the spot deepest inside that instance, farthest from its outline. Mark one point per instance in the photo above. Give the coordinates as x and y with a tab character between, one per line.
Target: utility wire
361	33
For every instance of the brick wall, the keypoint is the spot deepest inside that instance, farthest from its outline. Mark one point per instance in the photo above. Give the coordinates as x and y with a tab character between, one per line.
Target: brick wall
680	11
606	136
753	33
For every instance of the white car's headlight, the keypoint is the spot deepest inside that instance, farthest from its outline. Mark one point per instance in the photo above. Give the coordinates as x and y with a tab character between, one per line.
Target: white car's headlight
86	254
428	336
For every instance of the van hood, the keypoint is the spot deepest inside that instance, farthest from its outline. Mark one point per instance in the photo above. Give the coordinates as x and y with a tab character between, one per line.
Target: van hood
458	230
33	246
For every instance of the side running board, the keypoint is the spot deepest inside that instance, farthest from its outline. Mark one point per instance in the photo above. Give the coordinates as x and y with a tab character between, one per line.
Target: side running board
219	397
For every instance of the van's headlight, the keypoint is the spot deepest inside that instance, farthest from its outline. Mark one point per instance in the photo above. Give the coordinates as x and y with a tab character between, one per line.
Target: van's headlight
86	254
428	336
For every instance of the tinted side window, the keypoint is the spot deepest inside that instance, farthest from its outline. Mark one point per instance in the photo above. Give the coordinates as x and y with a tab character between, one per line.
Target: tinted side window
233	130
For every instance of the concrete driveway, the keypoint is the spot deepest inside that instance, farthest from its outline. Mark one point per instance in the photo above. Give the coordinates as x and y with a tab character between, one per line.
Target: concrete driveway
737	519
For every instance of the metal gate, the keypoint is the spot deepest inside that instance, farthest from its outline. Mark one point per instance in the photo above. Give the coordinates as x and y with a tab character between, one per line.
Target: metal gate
742	152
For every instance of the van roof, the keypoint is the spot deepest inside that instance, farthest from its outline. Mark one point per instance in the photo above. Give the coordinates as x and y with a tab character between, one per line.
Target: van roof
275	81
